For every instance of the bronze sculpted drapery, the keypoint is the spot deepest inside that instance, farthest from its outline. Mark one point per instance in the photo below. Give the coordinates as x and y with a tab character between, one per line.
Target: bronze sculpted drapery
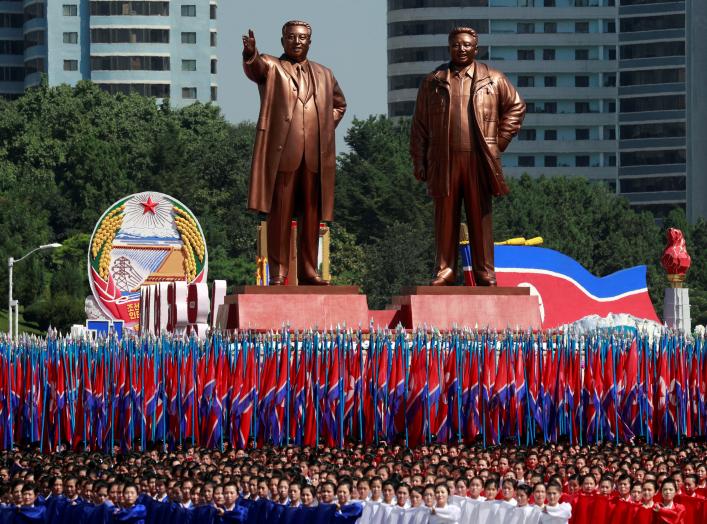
294	157
466	114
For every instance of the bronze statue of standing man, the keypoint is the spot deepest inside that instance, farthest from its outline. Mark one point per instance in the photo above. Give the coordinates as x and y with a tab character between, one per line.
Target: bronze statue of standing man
466	115
294	158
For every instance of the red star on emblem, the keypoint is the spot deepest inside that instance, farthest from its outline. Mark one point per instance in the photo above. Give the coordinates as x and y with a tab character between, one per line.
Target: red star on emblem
148	206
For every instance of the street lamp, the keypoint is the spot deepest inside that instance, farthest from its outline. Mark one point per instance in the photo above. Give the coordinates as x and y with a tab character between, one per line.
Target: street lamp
14	303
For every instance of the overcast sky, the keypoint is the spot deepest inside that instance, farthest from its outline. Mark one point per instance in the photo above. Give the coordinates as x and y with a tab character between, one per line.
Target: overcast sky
348	36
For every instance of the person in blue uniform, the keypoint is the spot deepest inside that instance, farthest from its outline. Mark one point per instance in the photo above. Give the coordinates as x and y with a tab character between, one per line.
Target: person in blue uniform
131	513
30	512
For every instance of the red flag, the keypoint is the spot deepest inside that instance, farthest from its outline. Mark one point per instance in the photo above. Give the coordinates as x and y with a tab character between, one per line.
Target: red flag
281	395
660	401
488	371
215	415
266	397
381	384
297	408
247	399
352	385
330	414
450	392
172	388
201	378
435	390
520	392
646	393
368	407
693	398
188	394
629	379
149	394
598	385
415	413
576	394
84	398
473	398
236	389
310	417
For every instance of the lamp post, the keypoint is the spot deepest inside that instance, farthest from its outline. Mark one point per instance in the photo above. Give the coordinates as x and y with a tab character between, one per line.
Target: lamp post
14	303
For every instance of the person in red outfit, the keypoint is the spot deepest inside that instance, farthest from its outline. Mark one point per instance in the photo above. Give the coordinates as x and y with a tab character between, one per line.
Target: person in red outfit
669	511
650	487
573	489
636	490
693	501
690	486
702	476
644	513
605	487
621	507
623	491
586	507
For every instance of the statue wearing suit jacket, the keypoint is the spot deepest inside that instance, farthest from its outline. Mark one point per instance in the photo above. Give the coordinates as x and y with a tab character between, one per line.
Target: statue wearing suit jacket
466	114
294	157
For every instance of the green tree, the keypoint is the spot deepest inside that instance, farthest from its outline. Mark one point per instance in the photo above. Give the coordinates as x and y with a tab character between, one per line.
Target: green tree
24	225
67	153
375	187
384	208
401	257
347	258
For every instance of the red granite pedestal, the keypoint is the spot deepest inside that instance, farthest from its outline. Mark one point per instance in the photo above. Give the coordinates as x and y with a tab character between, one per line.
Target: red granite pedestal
447	307
265	308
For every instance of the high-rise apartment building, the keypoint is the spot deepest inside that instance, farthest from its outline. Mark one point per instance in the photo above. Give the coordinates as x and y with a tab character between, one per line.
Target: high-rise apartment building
659	105
572	62
12	48
156	48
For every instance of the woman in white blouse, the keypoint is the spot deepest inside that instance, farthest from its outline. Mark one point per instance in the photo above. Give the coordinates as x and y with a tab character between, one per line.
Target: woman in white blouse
556	512
444	513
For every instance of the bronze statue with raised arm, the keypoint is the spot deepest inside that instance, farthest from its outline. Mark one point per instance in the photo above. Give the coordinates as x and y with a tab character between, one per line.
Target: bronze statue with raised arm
294	157
465	116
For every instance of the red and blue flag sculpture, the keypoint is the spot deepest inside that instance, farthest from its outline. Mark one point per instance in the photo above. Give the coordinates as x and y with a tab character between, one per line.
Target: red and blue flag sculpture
567	291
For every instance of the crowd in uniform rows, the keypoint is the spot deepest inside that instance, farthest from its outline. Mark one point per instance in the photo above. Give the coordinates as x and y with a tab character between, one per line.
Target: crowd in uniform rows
553	484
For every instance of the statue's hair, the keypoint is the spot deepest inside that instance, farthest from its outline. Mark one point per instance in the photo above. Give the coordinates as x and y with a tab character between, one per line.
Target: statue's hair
462	29
296	22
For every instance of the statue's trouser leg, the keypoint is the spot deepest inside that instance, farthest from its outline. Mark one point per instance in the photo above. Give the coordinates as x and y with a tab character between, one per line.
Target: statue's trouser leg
466	186
308	219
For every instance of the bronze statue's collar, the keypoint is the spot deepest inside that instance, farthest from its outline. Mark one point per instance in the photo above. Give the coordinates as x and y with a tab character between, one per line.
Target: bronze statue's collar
468	70
289	65
479	72
286	59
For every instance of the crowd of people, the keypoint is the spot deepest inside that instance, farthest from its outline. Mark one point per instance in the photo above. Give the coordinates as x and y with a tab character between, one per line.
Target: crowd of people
552	483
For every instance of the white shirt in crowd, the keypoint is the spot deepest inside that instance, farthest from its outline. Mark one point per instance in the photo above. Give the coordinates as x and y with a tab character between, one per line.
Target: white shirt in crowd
558	514
463	510
449	514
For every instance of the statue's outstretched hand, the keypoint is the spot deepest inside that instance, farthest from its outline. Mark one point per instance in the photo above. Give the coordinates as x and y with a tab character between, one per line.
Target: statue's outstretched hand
249	44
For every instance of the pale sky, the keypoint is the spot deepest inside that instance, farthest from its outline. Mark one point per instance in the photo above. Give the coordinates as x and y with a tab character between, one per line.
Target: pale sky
348	36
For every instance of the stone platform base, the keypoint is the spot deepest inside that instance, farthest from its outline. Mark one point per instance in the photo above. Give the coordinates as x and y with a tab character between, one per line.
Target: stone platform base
448	307
265	308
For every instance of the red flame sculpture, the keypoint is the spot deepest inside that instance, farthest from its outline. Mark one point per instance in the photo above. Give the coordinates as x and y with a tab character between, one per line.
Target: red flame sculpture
675	259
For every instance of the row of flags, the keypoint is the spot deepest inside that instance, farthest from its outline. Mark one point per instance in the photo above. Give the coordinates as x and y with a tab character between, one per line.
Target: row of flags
338	386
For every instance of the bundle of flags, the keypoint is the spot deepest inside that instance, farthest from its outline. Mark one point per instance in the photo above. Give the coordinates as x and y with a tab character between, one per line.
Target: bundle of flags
339	386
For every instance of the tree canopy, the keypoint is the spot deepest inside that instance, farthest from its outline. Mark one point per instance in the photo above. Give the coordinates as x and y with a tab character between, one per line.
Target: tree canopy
66	154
